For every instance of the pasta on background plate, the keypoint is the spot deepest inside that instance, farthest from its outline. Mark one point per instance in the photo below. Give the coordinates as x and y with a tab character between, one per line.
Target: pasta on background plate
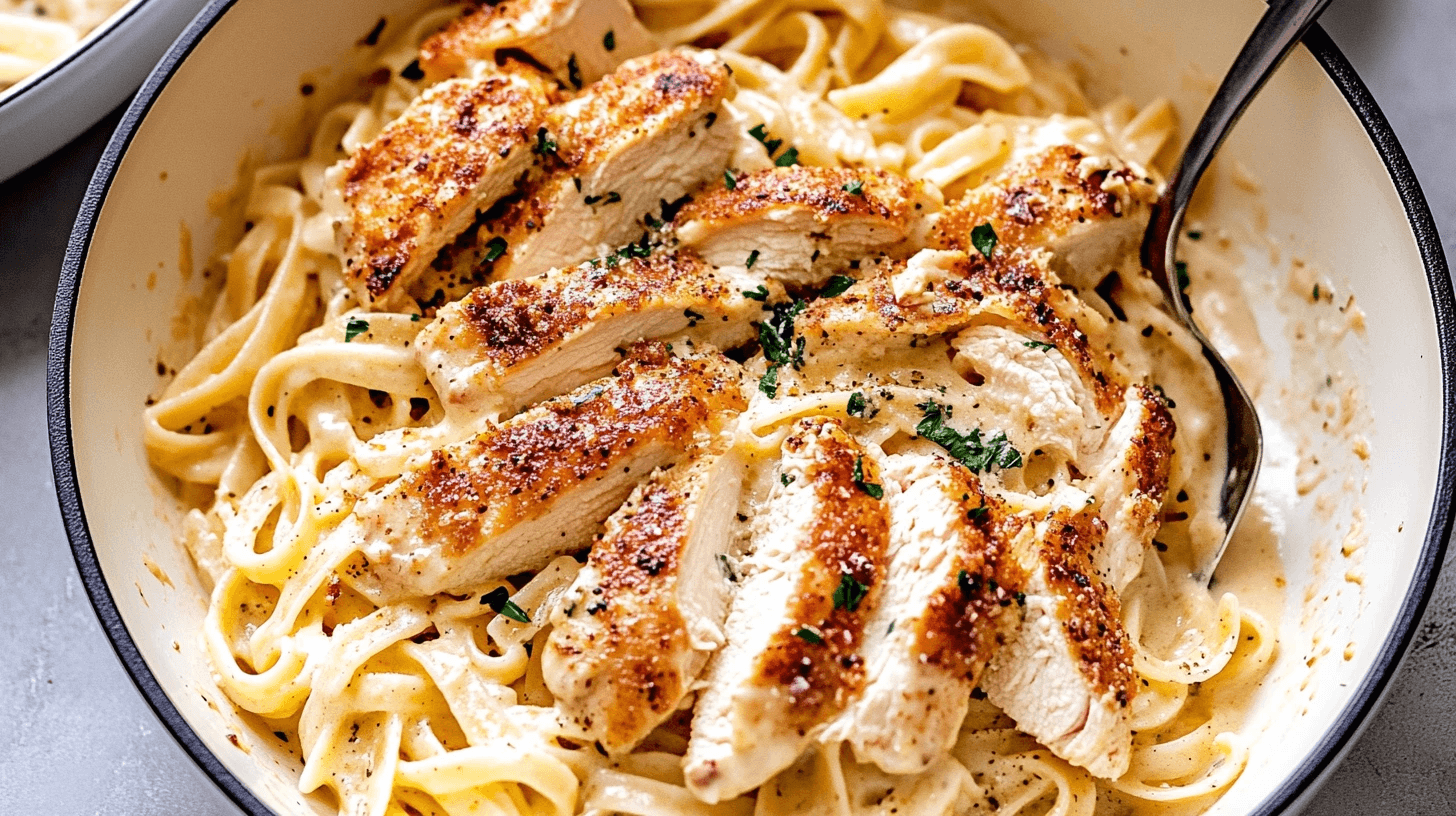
33	33
743	407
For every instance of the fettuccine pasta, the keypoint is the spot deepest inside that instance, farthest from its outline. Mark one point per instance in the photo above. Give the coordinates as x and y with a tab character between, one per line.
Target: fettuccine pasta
305	401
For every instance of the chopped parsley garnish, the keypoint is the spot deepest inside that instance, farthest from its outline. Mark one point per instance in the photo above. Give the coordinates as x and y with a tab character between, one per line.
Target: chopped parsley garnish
1163	395
609	42
970	584
354	328
730	180
727	567
837	285
544	143
967	448
499	600
760	132
670	209
769	382
983	238
710	120
495	248
789	159
1316	292
573	72
849	593
871	489
1195	235
590	200
1037	344
1181	270
785	479
975	513
857	405
752	259
613	197
760	294
776	335
808	635
855	187
641	249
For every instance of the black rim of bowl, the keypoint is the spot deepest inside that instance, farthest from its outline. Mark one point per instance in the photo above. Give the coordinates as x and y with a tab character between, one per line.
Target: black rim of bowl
1330	747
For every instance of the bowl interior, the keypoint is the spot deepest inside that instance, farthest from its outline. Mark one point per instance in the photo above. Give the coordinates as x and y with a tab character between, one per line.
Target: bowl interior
1300	183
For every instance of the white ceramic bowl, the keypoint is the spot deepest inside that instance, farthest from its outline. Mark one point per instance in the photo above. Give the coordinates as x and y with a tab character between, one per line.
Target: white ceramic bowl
52	106
1336	192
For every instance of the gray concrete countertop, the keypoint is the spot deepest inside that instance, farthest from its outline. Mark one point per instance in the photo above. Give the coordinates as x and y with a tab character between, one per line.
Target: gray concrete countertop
76	737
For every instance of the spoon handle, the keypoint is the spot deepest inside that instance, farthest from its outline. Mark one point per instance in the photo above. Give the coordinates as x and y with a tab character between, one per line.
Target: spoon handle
1271	41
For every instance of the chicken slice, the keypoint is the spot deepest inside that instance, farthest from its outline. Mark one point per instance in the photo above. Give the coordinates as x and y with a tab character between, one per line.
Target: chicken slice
618	155
647	610
1066	674
1129	479
1087	210
949	603
801	224
1034	387
456	150
535	487
791	663
513	343
944	292
577	40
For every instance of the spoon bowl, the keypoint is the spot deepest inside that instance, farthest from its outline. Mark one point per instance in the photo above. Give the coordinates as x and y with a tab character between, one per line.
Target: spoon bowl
1273	38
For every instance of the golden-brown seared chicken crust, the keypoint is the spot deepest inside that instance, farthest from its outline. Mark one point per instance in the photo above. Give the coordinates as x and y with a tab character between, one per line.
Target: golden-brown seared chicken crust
1151	457
1089	610
646	97
824	191
577	40
514	321
410	182
480	30
819	675
1009	287
641	626
632	98
965	624
1017	203
512	472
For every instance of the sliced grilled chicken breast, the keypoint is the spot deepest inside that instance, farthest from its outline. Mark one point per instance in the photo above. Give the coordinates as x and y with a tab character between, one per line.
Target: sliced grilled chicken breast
535	487
457	149
949	603
513	343
943	292
618	156
1087	210
1066	674
648	608
801	224
1129	478
577	40
791	663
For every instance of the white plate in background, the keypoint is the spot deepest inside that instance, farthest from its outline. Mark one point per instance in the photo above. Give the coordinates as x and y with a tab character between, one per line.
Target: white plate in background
56	103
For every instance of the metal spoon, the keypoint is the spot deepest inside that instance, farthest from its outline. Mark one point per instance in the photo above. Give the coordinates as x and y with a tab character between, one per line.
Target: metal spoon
1272	40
